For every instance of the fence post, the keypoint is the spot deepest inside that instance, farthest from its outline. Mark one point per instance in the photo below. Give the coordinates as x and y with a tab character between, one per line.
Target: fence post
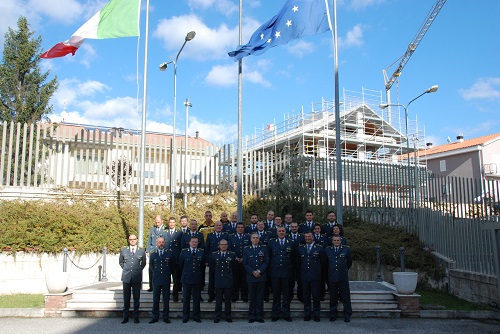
104	278
65	259
379	272
402	258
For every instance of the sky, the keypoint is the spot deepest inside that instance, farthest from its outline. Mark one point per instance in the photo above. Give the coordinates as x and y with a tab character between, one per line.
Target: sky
102	84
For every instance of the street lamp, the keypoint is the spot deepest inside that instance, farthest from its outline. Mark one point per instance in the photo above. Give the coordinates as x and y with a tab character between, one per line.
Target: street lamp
433	89
163	67
187	104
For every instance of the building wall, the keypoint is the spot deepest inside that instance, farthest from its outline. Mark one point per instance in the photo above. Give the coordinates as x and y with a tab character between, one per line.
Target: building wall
466	164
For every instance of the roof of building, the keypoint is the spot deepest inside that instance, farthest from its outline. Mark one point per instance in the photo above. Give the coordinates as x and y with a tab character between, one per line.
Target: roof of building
460	145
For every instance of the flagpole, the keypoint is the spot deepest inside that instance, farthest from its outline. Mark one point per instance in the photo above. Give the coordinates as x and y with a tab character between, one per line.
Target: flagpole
143	136
240	139
338	145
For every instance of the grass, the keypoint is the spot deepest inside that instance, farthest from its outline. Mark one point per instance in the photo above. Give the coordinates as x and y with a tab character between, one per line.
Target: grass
22	300
436	299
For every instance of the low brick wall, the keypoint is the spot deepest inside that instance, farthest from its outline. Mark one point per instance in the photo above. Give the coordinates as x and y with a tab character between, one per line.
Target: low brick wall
473	287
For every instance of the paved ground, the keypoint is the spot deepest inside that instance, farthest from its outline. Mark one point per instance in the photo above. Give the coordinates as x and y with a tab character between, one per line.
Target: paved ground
365	325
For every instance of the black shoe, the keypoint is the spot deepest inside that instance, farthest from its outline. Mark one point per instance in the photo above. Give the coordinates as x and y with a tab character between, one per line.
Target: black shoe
288	319
185	320
217	321
229	320
197	320
251	321
153	321
167	321
150	290
317	319
261	321
176	299
210	299
347	319
307	318
274	319
245	300
124	321
136	320
332	319
266	300
234	300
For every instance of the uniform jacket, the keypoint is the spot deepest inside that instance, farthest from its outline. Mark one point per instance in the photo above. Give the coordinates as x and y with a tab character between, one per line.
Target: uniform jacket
327	229
280	258
265	237
321	240
339	263
256	259
212	243
237	245
303	228
223	268
228	228
153	235
251	228
310	264
161	266
173	241
132	265
192	266
186	237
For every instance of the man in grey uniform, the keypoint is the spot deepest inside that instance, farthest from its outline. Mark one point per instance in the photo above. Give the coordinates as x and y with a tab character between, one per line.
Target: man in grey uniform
132	260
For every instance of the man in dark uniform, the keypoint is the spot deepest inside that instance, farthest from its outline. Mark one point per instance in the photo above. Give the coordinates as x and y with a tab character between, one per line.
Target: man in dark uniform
191	264
253	224
339	262
211	246
237	243
280	262
288	222
256	261
132	259
264	238
192	232
230	227
327	227
154	233
308	224
222	262
160	263
173	237
310	261
296	238
269	223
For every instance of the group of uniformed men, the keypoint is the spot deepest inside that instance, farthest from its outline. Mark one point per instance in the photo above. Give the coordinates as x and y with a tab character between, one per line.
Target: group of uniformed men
244	262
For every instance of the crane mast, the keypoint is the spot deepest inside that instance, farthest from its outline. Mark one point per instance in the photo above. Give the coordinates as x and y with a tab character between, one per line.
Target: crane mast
411	48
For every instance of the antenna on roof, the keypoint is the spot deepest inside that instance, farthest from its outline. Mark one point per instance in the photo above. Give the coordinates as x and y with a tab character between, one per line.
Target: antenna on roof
449	140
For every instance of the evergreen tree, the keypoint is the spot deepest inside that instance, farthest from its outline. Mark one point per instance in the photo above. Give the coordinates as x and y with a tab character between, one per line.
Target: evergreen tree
24	92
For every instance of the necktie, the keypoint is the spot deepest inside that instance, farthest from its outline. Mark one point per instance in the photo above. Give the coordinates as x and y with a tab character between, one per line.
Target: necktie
294	237
193	251
133	251
218	235
239	236
336	249
308	249
223	254
157	230
161	253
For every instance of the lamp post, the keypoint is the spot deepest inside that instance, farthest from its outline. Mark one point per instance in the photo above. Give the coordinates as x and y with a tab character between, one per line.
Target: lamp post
187	104
163	67
433	89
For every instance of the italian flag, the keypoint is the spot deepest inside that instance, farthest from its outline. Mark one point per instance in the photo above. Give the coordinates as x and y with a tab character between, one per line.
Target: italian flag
119	18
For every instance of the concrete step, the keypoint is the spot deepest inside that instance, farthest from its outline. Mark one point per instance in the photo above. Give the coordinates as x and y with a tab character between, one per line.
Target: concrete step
106	299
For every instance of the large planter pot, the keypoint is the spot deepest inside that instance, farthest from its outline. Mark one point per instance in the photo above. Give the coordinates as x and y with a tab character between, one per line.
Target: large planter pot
405	282
56	282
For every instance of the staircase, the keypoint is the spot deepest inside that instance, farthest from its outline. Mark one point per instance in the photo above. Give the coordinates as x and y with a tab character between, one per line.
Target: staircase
369	299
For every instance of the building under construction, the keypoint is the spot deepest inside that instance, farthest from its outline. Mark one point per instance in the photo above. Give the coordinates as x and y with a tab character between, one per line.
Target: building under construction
374	149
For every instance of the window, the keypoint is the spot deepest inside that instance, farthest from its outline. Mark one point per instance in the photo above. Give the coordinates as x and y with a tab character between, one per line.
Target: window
442	166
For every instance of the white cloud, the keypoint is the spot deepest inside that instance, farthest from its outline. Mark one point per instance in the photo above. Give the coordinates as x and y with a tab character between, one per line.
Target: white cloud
227	75
301	48
213	132
67	11
224	6
354	37
71	90
483	88
209	43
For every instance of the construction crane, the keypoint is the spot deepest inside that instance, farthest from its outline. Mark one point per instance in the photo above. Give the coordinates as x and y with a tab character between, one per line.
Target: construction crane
411	48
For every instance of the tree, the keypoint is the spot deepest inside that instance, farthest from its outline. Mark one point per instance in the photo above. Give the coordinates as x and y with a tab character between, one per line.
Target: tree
24	92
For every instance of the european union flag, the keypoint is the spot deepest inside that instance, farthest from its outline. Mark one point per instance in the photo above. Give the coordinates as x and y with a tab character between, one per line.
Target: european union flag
297	18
